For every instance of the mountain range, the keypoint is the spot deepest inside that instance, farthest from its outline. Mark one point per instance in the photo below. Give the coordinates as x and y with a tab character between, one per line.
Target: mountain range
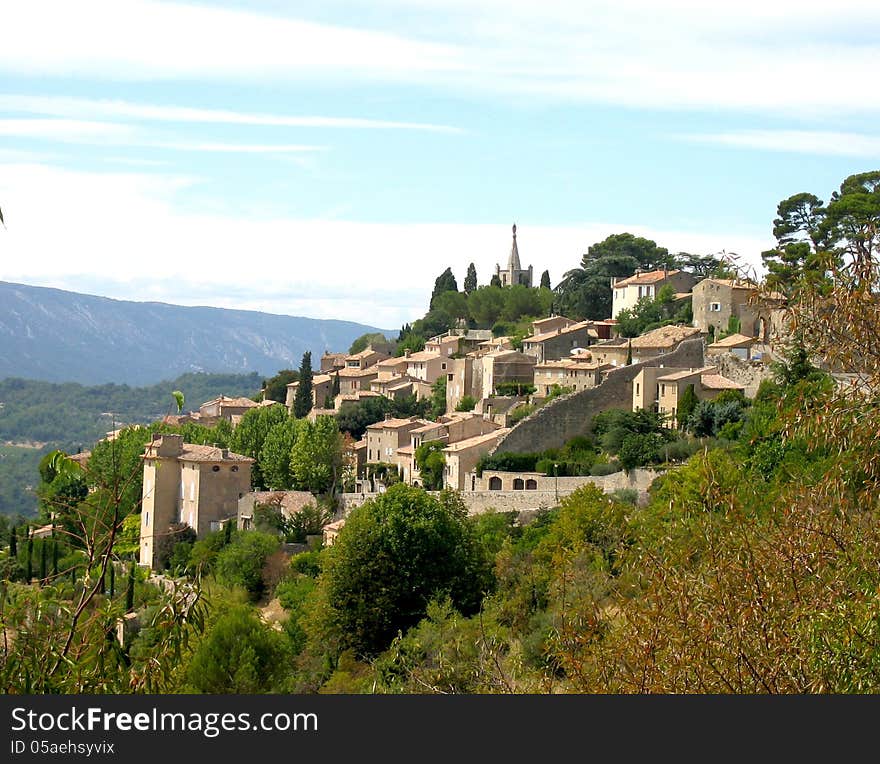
60	336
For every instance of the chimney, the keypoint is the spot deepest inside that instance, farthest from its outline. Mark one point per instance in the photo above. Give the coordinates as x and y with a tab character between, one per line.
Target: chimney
406	353
388	417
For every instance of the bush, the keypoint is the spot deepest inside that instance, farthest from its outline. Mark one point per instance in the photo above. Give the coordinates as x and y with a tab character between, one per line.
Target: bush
605	468
241	562
467	403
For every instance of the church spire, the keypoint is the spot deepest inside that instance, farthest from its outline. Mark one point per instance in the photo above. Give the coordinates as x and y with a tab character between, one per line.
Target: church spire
513	262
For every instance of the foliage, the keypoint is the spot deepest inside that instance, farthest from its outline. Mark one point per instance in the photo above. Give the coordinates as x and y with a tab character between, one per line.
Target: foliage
514	388
686	404
250	434
241	562
431	464
438	397
365	340
445	282
467	403
470	280
239	654
393	556
275	454
302	401
316	457
545	280
275	388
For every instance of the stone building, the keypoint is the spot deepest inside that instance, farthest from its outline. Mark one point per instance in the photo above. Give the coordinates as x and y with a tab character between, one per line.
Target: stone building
184	483
626	292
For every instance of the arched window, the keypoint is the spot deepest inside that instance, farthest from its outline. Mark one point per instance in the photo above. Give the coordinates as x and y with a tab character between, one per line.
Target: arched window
531	484
495	483
518	484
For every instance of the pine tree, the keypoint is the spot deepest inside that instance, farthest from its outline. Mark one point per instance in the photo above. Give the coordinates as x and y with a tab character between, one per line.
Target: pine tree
470	280
302	402
545	280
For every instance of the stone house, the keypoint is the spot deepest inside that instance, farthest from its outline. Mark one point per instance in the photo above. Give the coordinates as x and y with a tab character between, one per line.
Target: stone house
499	366
385	437
462	458
576	373
289	502
707	384
559	342
716	301
626	292
224	407
736	344
185	483
649	345
322	386
331	362
427	366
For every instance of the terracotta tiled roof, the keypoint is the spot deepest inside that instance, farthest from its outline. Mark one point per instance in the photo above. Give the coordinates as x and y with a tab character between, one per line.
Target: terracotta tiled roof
350	371
394	424
424	355
685	373
477	440
664	337
651	277
194	453
734	340
557	332
717	382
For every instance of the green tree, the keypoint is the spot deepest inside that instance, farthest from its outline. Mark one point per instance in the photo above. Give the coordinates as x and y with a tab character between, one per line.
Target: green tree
445	282
495	281
250	434
276	452
239	654
275	388
585	292
467	403
241	562
395	554
365	340
316	457
302	402
431	464
438	396
686	405
470	280
485	304
545	280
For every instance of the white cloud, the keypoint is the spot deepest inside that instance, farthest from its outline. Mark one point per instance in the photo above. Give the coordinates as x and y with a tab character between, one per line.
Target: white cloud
86	108
796	141
805	56
113	133
124	230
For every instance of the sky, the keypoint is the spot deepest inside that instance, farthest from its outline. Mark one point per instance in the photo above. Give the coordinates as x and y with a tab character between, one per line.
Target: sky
329	159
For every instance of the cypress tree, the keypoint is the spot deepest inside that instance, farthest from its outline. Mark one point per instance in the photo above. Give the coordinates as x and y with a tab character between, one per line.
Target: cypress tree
227	532
43	562
629	353
302	402
495	281
545	280
13	543
29	570
445	282
470	280
129	591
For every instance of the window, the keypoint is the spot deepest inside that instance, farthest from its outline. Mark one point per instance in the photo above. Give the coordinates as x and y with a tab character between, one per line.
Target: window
518	484
495	483
234	468
531	484
637	388
146	518
443	367
215	468
715	307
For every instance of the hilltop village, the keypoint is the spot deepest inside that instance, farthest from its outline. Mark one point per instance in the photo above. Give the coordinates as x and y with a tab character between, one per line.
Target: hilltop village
655	475
497	417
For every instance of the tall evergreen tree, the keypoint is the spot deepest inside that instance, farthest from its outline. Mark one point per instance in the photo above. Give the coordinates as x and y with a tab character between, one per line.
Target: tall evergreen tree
129	591
495	281
470	280
545	280
302	402
445	282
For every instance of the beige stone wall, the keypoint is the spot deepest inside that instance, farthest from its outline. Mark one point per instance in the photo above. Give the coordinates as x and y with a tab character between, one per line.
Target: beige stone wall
563	418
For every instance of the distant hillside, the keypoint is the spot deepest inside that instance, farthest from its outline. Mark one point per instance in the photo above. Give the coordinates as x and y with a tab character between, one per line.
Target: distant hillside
72	417
61	336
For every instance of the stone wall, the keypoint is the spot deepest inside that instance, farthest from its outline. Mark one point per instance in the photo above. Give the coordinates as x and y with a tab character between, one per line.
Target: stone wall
519	501
552	425
749	374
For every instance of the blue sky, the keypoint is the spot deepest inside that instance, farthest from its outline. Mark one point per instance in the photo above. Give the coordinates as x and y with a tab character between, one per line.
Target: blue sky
330	159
